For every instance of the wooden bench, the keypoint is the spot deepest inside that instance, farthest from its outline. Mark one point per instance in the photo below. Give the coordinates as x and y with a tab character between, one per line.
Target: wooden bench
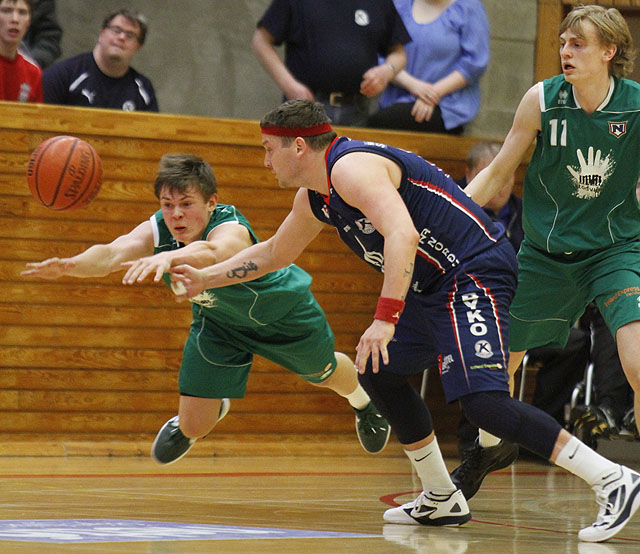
90	366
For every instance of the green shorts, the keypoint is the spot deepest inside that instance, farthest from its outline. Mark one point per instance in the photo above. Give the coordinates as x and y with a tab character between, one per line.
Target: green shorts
217	358
554	289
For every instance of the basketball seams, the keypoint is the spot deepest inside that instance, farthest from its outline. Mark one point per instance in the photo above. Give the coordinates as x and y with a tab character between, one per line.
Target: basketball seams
38	155
64	173
91	190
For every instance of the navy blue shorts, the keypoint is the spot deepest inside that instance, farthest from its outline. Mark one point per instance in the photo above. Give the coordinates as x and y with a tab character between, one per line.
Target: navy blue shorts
465	323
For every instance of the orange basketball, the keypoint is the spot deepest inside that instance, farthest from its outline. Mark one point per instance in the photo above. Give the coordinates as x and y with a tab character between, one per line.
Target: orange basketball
64	173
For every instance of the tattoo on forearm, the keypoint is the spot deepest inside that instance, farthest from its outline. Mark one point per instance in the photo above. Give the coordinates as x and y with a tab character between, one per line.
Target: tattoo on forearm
242	271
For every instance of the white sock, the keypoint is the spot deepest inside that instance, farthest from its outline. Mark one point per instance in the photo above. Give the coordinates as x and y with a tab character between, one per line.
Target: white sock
584	462
358	399
430	467
487	439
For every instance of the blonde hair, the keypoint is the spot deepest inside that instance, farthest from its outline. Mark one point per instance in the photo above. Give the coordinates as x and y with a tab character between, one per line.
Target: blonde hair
611	28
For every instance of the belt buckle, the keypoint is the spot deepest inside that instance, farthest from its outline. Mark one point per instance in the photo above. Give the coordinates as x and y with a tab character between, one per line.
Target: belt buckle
335	99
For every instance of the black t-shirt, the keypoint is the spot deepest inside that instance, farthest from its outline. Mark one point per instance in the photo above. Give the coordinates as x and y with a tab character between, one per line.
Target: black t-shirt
78	81
330	44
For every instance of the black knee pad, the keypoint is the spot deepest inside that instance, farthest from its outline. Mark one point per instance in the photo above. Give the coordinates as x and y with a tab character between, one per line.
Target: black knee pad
399	403
512	420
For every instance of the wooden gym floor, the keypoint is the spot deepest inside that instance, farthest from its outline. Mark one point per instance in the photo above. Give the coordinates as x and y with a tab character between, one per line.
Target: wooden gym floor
302	505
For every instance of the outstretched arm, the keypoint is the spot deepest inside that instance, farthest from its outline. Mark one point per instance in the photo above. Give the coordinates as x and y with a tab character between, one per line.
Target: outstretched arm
222	242
526	124
298	229
98	260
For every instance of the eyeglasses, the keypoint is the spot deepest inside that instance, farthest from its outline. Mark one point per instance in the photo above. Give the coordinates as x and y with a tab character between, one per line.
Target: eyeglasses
129	35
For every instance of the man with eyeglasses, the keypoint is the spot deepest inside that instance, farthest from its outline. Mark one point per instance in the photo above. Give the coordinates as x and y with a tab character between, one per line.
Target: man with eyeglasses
104	77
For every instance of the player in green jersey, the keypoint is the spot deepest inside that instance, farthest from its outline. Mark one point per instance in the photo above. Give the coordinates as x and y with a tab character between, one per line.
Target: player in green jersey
581	217
274	316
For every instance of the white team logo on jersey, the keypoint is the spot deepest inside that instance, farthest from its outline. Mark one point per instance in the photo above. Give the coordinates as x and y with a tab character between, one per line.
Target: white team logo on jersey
25	91
89	95
591	175
361	18
562	97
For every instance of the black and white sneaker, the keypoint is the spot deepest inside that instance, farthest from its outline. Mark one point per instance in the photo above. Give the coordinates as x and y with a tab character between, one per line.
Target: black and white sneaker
478	462
171	444
431	509
618	495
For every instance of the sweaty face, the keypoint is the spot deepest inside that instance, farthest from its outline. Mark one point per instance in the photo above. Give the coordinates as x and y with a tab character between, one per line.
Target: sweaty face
14	22
281	160
582	55
119	40
186	213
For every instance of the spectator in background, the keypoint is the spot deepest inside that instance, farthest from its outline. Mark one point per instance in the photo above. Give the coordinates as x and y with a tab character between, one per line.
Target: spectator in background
331	52
104	78
438	91
505	206
20	78
42	41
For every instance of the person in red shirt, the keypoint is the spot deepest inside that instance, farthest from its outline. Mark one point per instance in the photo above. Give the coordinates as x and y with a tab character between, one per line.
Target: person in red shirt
20	77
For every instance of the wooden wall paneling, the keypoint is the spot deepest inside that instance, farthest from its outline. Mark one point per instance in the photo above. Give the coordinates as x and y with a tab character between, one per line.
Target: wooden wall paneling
93	360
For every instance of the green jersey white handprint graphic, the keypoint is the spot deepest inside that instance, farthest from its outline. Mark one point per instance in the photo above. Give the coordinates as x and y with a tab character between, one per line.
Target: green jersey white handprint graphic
579	191
590	176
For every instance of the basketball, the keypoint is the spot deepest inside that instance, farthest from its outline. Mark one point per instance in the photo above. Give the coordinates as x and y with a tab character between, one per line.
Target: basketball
64	173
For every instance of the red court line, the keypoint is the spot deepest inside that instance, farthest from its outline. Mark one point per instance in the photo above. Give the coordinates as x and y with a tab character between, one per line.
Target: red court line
240	474
147	475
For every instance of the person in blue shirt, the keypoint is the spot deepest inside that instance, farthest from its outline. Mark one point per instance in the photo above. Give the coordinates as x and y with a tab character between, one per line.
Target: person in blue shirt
438	91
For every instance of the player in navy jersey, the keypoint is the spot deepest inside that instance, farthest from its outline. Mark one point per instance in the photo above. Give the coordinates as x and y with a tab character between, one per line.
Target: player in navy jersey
449	276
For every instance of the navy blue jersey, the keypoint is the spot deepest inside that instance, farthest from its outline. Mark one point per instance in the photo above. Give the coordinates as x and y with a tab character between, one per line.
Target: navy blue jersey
453	229
78	81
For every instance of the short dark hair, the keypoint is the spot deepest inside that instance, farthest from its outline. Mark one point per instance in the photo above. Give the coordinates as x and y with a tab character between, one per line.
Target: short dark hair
134	16
300	113
29	4
182	172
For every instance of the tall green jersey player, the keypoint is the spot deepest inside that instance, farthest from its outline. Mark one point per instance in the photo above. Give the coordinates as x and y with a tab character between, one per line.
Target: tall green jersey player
580	213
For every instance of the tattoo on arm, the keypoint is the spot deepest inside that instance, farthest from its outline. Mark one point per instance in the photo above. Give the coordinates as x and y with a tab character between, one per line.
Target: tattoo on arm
408	272
242	271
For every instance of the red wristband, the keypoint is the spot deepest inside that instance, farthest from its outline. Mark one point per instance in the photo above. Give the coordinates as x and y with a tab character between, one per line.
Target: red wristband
389	309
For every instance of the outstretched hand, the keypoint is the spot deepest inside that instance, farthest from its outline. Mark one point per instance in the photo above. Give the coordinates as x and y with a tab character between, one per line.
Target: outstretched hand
48	269
373	342
139	270
187	281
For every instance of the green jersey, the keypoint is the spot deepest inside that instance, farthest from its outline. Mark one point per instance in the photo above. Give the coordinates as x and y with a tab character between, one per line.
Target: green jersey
579	189
249	305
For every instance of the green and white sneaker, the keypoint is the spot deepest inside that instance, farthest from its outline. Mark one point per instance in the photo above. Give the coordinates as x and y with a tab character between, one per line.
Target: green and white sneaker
373	430
171	444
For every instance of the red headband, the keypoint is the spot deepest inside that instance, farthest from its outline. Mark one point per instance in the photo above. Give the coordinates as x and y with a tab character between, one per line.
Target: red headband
297	131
